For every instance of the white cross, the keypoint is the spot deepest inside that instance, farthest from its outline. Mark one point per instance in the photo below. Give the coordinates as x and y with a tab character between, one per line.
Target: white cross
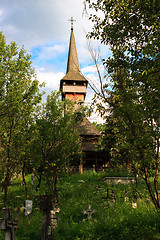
72	21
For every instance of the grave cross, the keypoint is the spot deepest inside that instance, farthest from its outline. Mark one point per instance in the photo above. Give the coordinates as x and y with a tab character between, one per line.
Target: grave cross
107	194
8	224
89	212
113	196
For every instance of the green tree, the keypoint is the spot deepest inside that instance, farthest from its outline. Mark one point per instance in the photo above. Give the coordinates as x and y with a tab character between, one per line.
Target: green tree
131	28
56	142
19	94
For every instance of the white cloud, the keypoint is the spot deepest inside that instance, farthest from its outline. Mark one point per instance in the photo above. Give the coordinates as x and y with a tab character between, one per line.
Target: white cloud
42	27
89	69
38	22
51	79
49	52
95	117
93	80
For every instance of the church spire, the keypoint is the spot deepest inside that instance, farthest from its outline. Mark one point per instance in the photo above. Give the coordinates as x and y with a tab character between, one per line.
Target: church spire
73	85
73	64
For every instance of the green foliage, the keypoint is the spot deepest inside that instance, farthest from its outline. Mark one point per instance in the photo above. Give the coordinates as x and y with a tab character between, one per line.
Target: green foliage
131	28
56	143
19	95
110	221
33	138
29	226
99	126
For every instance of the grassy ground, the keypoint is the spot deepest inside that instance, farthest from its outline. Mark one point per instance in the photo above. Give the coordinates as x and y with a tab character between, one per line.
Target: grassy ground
111	220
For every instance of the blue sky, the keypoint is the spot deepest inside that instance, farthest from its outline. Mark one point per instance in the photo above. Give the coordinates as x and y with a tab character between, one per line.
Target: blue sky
43	28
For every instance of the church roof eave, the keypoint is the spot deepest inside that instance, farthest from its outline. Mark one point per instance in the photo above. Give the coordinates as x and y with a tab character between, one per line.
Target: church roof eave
86	128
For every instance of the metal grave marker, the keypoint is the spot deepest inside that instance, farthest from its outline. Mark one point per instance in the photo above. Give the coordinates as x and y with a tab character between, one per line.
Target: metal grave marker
89	212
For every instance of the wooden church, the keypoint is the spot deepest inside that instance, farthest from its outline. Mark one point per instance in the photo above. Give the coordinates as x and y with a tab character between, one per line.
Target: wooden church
73	86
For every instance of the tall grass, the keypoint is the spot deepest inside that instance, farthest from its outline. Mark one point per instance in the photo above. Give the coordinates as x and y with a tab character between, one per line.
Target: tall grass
111	220
116	220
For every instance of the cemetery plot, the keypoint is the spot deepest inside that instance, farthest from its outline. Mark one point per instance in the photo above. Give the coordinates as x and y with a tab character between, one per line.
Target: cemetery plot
89	208
121	180
8	224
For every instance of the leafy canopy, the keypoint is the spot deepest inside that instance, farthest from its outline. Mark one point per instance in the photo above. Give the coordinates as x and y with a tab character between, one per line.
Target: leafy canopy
19	95
131	28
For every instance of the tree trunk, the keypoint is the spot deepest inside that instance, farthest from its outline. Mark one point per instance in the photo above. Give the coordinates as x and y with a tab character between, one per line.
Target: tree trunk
39	182
5	186
44	227
47	232
150	189
81	166
54	187
156	174
5	190
24	181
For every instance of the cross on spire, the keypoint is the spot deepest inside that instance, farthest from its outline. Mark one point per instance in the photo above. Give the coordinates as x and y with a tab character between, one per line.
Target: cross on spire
72	21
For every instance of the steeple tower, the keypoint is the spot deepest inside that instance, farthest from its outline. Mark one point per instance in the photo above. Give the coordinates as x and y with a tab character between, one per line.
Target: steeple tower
73	64
73	85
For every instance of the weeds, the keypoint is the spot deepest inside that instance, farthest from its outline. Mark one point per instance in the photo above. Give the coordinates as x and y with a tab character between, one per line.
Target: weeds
111	220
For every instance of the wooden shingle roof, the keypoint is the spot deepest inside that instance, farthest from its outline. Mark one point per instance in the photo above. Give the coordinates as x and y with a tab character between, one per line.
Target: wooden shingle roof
86	128
73	73
72	64
74	76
